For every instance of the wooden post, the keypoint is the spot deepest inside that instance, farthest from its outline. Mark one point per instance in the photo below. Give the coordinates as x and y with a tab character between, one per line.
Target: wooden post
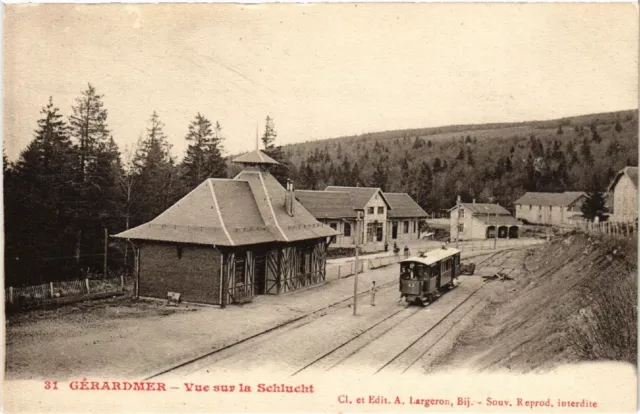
137	252
51	288
355	277
10	294
223	282
106	249
122	281
495	239
457	220
86	281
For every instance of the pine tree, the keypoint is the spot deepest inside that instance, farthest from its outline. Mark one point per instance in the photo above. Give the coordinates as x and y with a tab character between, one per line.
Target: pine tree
470	161
40	215
593	205
380	175
269	136
204	153
280	172
585	150
155	173
355	174
88	127
423	185
405	174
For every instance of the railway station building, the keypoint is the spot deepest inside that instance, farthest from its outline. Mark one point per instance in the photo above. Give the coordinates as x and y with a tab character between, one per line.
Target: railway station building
384	217
473	221
231	239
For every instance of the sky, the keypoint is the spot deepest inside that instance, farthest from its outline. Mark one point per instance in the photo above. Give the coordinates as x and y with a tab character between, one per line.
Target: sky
319	70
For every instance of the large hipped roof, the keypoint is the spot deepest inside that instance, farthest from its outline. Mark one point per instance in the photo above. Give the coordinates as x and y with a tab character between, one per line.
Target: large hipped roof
249	209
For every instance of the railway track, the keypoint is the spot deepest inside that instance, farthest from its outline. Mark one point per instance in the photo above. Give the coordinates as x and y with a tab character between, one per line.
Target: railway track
373	332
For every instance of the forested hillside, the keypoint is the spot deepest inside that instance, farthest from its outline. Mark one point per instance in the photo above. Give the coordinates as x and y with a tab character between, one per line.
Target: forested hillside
491	162
72	185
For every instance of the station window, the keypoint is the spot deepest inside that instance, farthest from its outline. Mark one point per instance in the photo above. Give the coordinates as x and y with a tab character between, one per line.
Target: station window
347	229
333	226
461	213
380	210
370	210
406	226
460	228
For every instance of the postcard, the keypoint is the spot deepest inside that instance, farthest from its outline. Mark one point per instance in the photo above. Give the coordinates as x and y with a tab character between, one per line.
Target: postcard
348	207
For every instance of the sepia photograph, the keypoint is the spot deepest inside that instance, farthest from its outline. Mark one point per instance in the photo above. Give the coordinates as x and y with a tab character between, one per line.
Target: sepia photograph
320	207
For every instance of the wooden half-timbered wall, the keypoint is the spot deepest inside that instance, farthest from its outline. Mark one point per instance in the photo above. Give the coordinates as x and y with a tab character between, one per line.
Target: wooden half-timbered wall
288	268
236	289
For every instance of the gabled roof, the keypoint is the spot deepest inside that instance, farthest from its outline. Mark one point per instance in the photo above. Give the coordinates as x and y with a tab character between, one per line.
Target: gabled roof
327	204
248	209
500	220
255	157
360	196
402	205
482	208
631	172
550	199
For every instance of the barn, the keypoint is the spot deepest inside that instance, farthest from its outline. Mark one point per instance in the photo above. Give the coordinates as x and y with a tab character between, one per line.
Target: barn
623	193
231	239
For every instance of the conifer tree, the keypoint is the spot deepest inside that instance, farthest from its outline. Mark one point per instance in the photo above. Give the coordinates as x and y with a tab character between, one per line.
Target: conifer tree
40	214
280	172
88	127
204	153
156	176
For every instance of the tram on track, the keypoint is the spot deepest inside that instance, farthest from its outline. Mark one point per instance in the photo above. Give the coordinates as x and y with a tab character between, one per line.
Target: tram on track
424	277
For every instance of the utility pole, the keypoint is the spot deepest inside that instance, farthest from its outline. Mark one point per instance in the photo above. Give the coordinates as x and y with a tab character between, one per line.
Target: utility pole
495	239
457	220
355	276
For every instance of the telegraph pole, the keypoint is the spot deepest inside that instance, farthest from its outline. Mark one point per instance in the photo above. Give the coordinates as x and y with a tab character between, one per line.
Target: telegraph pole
495	239
457	220
355	277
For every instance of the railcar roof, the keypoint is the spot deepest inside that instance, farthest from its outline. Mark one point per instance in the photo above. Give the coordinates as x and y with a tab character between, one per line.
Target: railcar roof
433	256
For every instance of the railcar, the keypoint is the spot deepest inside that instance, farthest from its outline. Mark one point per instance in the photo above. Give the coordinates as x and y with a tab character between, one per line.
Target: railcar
424	277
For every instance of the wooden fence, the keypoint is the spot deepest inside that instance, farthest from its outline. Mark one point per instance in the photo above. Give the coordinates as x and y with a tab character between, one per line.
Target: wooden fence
610	228
28	295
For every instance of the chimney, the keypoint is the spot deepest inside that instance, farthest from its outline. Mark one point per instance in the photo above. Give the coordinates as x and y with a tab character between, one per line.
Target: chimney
288	199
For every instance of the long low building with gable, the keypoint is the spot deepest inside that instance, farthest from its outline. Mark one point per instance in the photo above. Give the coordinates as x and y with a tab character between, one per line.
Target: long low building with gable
469	221
231	239
384	217
550	208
